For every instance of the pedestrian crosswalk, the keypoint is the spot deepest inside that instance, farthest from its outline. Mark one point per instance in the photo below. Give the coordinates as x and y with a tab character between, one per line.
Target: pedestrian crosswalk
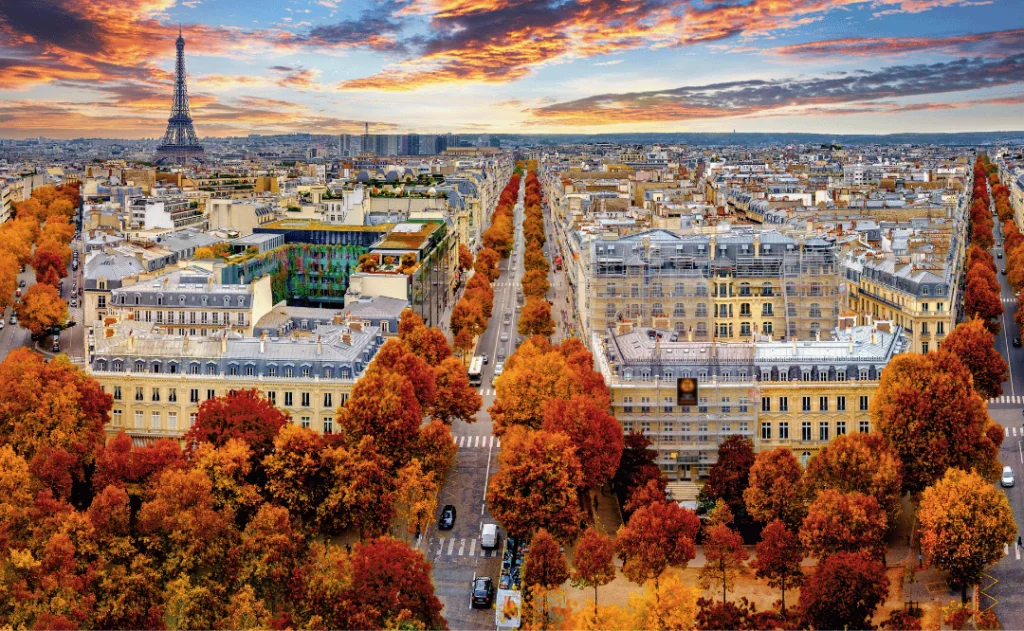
1016	551
1009	301
1013	431
1007	400
458	547
485	392
477	442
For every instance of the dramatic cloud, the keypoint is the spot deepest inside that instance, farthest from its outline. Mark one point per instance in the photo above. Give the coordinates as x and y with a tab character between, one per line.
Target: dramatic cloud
992	44
746	98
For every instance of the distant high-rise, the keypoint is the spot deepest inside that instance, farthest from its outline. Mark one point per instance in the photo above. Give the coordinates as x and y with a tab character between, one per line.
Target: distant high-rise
179	143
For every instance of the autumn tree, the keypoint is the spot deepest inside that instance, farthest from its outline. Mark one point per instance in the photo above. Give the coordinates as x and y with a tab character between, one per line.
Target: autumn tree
430	344
844	591
637	467
455	399
535	318
778	557
535	284
382	405
729	477
668	604
465	257
49	266
595	434
435	448
775	490
41	309
656	537
723	551
544	569
416	496
927	409
360	492
8	278
981	302
242	414
975	346
536	485
532	377
844	522
51	405
388	578
395	357
267	554
593	566
297	476
743	614
123	465
861	463
965	522
467	317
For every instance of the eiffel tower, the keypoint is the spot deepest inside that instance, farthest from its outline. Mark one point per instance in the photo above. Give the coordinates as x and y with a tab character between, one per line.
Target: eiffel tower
179	143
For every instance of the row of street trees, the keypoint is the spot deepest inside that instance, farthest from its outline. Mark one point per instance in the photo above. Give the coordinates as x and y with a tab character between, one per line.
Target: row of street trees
39	235
981	294
535	318
238	531
472	312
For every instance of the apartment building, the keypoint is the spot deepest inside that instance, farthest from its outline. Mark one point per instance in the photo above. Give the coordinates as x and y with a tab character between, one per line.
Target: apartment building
798	395
190	301
158	380
150	213
731	286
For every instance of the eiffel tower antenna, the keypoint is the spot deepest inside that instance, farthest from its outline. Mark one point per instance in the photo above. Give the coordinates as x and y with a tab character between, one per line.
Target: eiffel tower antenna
180	143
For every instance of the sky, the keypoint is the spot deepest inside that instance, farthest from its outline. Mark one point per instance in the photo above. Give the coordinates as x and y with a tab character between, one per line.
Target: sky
105	68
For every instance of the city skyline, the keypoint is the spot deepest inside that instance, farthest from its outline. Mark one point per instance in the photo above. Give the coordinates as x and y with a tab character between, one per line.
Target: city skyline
73	69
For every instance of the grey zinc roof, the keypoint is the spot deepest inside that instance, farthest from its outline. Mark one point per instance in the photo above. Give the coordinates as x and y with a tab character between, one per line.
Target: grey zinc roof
112	266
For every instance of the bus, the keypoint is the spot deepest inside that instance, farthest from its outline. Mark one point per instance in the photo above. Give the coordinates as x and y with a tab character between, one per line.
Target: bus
476	369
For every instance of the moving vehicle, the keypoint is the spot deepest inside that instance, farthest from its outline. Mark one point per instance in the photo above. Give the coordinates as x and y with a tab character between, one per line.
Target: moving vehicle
1016	342
476	369
447	521
499	368
1004	270
73	303
21	283
483	592
1007	479
501	355
504	336
14	318
17	292
489	537
999	255
1	324
487	359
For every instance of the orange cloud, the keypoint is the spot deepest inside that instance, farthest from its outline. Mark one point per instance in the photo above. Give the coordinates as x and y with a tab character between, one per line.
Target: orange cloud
992	44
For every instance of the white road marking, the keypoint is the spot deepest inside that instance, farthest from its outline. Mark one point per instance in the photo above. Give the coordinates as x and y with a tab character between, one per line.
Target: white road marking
440	546
462	546
451	545
472	546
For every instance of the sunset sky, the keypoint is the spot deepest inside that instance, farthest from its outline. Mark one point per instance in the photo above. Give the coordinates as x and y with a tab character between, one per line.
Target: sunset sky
103	68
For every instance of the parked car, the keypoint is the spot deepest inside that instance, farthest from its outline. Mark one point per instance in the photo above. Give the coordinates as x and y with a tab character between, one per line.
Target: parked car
483	592
1	324
17	292
447	521
1016	342
1007	479
73	303
21	283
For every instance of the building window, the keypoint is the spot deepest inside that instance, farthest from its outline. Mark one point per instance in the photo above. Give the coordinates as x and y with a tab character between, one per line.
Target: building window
156	394
272	397
841	374
233	370
138	393
766	404
210	394
823	431
138	419
193	395
328	425
783	404
702	408
305	422
328	400
287	399
744	402
250	370
805	404
117	418
865	427
805	430
702	432
726	408
863	403
823	404
766	431
192	419
287	371
784	430
840	428
117	393
155	421
841	404
924	346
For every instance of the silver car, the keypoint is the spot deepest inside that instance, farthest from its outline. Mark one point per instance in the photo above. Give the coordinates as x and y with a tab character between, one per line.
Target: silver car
1007	479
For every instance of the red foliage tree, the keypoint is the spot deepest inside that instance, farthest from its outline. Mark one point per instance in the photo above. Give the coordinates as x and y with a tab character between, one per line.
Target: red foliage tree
778	558
593	562
389	578
975	346
383	405
844	522
730	476
243	414
595	434
455	398
844	592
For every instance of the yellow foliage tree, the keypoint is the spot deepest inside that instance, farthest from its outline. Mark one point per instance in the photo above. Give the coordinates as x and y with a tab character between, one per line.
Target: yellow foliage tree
670	605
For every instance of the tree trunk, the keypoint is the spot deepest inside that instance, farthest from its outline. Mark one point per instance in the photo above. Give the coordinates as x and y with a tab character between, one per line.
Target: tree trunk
595	602
725	587
963	593
783	596
657	604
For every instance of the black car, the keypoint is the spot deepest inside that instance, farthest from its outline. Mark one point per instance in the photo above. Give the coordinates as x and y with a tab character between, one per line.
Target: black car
1004	270
1016	341
483	592
447	521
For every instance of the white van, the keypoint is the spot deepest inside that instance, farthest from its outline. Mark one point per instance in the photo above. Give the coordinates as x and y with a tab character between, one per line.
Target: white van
489	537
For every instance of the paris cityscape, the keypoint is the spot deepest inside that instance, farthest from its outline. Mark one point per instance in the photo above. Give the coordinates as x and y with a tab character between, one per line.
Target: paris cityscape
492	314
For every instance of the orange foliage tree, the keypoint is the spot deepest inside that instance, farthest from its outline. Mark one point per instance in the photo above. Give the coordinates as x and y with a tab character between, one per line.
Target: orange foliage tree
41	309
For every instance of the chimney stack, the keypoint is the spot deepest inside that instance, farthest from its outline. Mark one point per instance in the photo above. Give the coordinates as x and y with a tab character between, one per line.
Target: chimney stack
319	346
263	342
